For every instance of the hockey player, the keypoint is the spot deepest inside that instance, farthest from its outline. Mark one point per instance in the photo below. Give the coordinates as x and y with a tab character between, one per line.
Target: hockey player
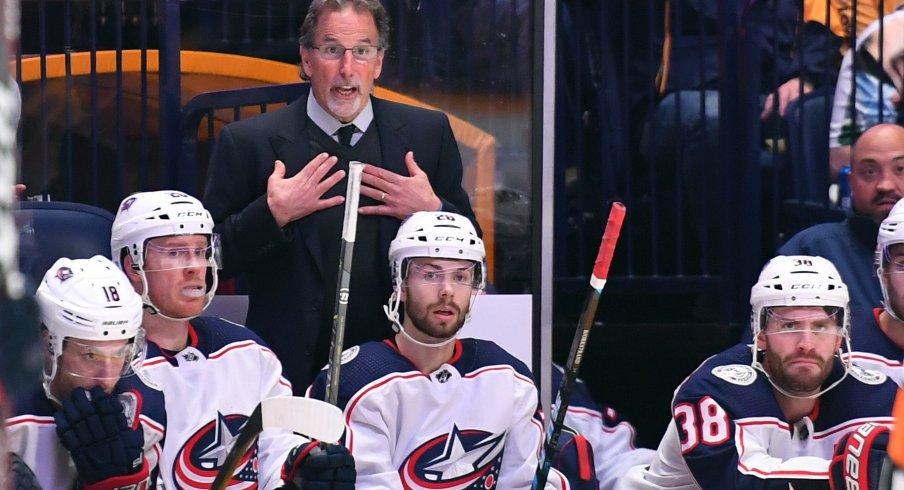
425	409
213	372
878	340
92	421
610	439
768	415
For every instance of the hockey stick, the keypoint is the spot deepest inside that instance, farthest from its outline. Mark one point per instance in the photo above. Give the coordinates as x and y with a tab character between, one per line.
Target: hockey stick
313	418
349	226
576	355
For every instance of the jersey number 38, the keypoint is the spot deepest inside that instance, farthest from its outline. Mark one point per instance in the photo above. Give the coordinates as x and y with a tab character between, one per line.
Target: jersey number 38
704	422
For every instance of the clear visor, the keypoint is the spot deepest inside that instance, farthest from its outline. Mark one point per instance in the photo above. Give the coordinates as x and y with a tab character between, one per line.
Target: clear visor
893	258
465	275
819	322
166	257
110	361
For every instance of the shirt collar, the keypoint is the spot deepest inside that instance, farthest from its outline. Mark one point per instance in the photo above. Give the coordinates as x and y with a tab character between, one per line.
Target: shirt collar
330	124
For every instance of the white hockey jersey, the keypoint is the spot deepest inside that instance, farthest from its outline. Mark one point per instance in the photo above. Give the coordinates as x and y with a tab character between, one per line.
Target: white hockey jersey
728	431
31	432
211	388
472	423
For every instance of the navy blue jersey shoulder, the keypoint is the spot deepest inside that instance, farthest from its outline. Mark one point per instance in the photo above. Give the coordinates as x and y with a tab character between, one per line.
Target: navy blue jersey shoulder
866	336
853	399
361	365
371	361
750	395
34	403
479	353
151	401
212	335
744	397
215	333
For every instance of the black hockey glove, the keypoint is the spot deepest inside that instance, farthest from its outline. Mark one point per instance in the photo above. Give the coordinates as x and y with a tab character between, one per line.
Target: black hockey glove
316	466
860	458
574	458
106	451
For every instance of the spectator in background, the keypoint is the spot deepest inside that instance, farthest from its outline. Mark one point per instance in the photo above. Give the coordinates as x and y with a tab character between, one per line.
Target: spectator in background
277	184
877	182
682	136
842	14
869	87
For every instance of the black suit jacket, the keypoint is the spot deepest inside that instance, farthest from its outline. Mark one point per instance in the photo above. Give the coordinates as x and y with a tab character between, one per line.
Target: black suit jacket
281	268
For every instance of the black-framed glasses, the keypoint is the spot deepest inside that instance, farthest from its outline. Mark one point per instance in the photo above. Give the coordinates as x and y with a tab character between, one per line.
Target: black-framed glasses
362	53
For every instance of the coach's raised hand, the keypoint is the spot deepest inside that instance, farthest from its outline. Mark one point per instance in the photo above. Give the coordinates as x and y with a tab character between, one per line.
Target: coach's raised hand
401	196
300	195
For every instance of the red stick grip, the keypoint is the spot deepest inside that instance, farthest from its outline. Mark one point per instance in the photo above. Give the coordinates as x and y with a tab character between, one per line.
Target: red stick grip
607	246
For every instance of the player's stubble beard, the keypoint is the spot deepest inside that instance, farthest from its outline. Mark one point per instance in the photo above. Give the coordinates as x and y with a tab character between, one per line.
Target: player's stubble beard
421	320
799	383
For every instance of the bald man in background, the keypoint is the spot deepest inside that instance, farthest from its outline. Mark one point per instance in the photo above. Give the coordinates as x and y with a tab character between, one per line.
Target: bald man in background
877	182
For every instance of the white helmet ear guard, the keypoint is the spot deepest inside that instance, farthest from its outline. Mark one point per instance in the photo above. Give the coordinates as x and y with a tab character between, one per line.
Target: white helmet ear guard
433	234
89	299
144	216
799	280
891	232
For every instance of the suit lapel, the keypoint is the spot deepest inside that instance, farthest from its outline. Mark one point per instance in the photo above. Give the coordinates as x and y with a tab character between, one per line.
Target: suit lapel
291	146
394	143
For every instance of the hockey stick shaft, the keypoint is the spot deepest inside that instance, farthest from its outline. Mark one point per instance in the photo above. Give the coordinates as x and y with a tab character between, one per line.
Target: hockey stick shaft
315	419
579	344
343	282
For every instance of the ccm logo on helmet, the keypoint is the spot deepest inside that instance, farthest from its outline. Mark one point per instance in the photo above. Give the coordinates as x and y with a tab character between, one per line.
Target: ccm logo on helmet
806	286
189	214
853	451
450	239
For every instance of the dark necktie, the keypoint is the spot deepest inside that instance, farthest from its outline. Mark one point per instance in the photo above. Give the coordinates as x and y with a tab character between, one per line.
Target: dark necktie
345	134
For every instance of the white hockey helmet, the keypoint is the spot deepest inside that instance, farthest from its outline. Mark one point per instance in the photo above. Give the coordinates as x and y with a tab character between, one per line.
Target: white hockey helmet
891	232
435	234
89	299
147	215
799	280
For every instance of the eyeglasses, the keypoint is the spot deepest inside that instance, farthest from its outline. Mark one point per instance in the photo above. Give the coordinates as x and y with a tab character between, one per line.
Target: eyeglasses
362	53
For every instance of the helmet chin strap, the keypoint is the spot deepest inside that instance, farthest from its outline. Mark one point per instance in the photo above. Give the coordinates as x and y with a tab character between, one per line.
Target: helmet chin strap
886	303
392	313
49	379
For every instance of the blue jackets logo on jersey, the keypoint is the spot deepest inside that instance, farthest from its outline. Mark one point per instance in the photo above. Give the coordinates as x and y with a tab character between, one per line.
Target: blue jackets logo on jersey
205	452
461	459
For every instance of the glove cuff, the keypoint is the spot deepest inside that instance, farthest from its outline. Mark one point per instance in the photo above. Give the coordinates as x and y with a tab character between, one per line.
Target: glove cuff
289	471
140	480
